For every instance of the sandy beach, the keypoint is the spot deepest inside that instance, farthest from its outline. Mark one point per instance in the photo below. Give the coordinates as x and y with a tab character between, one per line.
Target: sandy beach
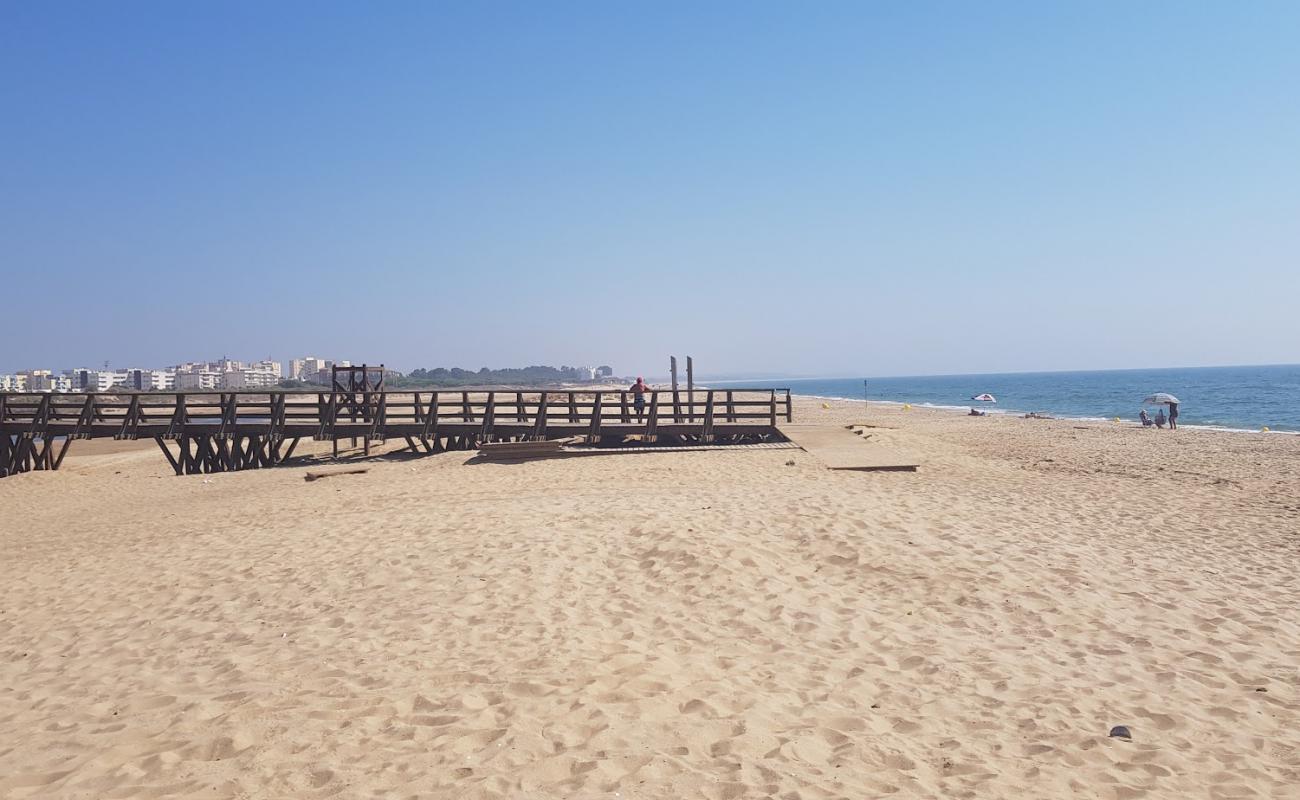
715	625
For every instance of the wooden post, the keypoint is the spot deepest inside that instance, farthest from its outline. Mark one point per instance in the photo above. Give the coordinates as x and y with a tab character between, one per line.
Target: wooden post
652	423
593	435
539	427
773	401
708	418
489	417
624	416
573	407
690	387
731	407
431	425
789	410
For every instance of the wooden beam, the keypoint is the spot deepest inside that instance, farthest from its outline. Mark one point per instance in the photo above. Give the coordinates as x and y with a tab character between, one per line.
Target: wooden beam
539	426
652	422
690	387
162	445
593	435
489	416
708	418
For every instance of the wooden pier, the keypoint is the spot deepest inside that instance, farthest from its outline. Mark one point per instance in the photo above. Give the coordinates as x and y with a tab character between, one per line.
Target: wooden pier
204	432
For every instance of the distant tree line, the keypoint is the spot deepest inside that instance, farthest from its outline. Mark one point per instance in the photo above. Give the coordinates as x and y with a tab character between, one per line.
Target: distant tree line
521	376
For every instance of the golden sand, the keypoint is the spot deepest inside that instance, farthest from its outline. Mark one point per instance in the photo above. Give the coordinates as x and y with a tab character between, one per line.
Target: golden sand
716	625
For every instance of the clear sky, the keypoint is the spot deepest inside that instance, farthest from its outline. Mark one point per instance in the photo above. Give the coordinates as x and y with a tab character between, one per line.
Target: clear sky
797	188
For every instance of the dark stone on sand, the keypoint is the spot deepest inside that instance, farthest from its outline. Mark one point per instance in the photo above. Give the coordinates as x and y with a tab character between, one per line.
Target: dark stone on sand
1121	732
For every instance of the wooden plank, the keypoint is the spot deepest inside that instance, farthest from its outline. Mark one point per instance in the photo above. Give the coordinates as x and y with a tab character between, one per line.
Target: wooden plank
594	433
838	448
539	426
708	417
690	387
652	423
489	416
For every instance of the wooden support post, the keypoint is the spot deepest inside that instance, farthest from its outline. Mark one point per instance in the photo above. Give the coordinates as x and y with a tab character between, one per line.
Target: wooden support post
708	418
789	410
731	407
127	431
521	413
677	406
773	401
593	434
431	424
690	387
652	422
573	407
489	417
623	415
465	414
162	445
539	426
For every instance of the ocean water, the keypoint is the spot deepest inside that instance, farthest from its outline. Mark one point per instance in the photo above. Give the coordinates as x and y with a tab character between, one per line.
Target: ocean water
1238	398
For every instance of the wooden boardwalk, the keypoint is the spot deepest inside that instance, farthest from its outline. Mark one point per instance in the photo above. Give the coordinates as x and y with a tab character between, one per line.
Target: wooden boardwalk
202	432
839	447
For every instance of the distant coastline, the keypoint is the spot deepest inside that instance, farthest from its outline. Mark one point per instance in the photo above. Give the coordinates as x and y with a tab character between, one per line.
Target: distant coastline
1239	399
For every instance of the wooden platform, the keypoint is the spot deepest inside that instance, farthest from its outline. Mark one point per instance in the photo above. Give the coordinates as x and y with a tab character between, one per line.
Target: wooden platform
839	447
201	432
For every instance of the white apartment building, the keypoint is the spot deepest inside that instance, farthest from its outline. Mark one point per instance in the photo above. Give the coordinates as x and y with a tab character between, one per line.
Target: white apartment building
13	383
198	379
150	379
311	369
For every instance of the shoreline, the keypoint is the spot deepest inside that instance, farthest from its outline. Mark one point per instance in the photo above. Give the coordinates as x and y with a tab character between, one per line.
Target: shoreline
1019	414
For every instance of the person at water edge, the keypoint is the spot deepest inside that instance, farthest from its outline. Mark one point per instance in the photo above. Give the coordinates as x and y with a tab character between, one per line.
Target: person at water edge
1173	416
638	397
1160	418
1146	420
974	413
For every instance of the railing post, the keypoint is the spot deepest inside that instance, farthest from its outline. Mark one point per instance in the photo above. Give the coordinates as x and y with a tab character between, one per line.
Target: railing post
708	418
489	417
652	422
773	409
593	434
539	427
789	410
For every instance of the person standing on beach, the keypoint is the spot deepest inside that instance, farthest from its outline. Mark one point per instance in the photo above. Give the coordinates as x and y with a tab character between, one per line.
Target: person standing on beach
638	397
1173	416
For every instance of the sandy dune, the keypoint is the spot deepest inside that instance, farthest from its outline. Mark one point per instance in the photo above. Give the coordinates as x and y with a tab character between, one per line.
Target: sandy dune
717	625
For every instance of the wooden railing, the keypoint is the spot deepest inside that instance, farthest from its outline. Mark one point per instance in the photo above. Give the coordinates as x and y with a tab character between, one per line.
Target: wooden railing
239	430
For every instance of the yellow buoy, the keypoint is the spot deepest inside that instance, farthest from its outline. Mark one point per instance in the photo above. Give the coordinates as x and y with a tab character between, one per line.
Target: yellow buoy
826	405
1115	420
907	406
1264	429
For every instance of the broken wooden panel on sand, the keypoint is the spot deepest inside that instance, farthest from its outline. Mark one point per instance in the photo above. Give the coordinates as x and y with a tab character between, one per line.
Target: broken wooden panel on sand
838	447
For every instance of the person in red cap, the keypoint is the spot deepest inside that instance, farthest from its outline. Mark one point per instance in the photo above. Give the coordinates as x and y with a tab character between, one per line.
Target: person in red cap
638	397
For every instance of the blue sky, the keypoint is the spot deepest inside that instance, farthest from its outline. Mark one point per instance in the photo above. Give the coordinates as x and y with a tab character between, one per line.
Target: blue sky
831	188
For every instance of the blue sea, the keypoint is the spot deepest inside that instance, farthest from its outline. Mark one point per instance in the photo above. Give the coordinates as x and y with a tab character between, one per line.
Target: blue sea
1237	398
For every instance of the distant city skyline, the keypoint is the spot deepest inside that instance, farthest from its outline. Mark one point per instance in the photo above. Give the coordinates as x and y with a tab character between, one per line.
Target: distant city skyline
853	188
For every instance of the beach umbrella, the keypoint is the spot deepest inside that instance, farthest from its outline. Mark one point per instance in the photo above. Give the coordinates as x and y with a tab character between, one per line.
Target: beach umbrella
988	398
1161	399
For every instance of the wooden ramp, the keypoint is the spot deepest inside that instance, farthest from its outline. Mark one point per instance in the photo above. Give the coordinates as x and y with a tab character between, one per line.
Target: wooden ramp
839	447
